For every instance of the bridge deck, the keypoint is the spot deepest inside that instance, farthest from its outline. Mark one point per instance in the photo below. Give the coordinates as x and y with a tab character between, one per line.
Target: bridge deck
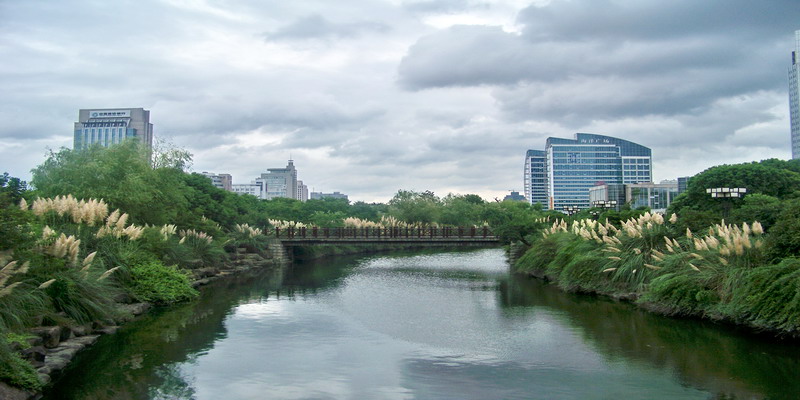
421	235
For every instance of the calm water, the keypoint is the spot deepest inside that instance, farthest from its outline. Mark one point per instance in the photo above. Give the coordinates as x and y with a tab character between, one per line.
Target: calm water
422	326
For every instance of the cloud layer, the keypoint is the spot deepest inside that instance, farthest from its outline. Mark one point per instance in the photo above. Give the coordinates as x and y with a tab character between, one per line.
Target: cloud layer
371	97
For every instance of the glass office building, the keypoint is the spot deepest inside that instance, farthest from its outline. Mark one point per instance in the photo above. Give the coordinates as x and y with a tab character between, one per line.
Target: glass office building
107	127
608	193
657	196
535	177
794	96
574	166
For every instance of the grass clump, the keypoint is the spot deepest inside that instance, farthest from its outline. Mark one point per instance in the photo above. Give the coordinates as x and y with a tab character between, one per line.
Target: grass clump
157	283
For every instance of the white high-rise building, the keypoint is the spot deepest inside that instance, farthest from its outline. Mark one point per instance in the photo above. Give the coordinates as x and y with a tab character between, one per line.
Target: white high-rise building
535	173
302	191
280	182
794	96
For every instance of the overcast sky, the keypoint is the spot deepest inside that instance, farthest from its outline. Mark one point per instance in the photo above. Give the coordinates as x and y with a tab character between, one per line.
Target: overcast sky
369	97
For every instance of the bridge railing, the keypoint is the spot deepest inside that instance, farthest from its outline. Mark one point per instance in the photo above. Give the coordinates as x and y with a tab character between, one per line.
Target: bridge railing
385	233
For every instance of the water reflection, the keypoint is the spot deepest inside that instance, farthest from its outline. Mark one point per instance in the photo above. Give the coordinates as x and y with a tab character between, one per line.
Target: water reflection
424	326
716	358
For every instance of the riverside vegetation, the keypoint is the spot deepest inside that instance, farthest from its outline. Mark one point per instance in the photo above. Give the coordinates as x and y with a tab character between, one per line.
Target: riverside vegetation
692	262
104	225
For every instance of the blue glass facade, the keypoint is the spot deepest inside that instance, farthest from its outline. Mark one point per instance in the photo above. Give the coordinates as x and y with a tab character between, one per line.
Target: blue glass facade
576	165
535	177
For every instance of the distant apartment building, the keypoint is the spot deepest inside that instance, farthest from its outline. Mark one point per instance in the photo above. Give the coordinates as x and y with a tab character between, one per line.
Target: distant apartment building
794	96
109	126
280	182
302	191
535	177
334	195
573	166
222	181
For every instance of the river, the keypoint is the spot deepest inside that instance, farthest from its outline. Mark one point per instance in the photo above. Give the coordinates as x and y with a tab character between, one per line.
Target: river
452	325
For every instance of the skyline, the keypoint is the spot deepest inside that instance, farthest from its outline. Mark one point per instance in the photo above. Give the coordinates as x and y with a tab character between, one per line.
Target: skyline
372	97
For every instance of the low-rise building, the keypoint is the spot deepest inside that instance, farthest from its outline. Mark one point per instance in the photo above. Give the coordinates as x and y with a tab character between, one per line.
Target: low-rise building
222	181
254	189
514	196
657	196
334	195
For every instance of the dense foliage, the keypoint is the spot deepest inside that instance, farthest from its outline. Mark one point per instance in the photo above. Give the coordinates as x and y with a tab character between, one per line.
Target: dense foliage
160	284
742	269
106	222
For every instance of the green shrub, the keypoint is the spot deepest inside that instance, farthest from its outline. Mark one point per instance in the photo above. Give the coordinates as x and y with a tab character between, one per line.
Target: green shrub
680	293
16	371
160	284
769	296
15	228
540	255
584	273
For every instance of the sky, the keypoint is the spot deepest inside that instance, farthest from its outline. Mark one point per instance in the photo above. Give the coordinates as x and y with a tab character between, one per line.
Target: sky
370	96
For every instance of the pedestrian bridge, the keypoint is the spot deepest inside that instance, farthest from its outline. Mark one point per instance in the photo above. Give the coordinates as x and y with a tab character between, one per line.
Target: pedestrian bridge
449	236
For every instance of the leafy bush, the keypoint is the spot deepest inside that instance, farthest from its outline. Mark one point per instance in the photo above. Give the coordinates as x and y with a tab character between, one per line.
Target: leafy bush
160	284
16	232
680	293
16	371
769	296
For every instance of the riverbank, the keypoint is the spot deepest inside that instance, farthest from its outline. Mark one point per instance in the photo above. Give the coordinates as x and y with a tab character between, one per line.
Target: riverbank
368	323
721	275
50	349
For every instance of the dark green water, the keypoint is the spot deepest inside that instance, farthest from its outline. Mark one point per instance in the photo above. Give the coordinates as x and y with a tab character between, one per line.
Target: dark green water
422	326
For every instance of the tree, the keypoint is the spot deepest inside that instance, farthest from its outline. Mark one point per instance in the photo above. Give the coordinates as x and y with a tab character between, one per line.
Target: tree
513	220
461	210
121	175
167	155
11	189
784	237
415	207
758	207
774	178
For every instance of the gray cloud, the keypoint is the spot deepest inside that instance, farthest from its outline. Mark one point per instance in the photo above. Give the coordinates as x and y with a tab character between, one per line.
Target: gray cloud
570	63
442	6
658	20
317	27
371	97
